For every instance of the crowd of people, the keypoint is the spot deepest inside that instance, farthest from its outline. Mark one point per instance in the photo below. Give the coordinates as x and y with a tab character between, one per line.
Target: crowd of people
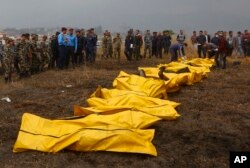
29	55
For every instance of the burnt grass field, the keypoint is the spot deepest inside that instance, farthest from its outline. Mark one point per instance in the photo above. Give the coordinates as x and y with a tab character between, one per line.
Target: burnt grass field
215	117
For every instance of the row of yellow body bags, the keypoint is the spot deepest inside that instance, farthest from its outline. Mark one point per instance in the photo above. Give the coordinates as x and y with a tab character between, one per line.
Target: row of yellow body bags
117	119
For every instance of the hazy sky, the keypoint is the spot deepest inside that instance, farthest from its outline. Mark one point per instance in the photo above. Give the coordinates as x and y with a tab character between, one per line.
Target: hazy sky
117	15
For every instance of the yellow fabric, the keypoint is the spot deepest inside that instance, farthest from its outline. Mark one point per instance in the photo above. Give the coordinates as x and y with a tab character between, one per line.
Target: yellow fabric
179	73
45	135
149	86
111	93
200	62
115	117
164	109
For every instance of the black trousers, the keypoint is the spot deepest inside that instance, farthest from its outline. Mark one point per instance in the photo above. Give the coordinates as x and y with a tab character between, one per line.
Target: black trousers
78	57
70	56
202	50
63	51
128	52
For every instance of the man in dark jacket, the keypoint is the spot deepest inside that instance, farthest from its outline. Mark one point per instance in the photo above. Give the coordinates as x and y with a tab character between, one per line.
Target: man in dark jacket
215	39
55	51
159	45
222	49
166	41
78	57
201	40
154	44
90	46
138	42
129	45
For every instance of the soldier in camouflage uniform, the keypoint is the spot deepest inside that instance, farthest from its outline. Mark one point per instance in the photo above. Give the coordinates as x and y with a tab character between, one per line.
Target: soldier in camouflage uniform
8	60
117	42
105	45
44	52
16	56
1	53
36	54
25	56
109	45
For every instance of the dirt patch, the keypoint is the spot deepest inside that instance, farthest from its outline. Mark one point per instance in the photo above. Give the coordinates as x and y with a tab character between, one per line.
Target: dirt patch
214	120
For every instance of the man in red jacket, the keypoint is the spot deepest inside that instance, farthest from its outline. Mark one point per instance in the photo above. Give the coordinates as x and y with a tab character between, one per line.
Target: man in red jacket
222	48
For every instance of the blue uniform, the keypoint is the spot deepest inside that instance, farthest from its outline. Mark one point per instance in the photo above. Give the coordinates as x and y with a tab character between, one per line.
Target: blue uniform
62	42
72	41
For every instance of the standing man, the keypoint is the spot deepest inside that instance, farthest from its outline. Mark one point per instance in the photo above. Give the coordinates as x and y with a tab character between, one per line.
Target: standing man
138	42
208	37
194	42
36	55
95	39
237	44
181	39
25	56
72	48
148	44
109	45
246	42
105	45
8	60
166	41
117	42
230	46
222	48
45	58
159	45
90	47
201	40
129	46
193	39
63	43
1	52
78	58
22	57
55	51
215	39
154	44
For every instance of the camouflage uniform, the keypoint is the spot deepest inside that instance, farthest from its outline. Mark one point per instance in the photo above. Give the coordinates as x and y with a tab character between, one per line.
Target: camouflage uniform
8	62
1	53
24	56
117	42
44	51
105	46
109	47
36	56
